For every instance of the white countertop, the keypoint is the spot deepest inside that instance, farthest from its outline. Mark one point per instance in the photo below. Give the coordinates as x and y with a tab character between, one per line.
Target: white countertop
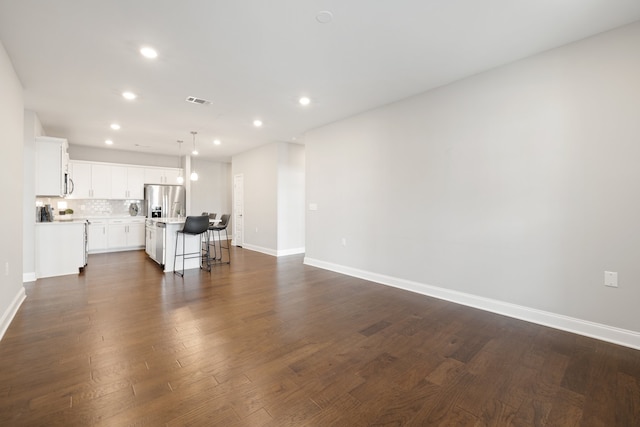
57	222
169	220
60	219
108	216
176	220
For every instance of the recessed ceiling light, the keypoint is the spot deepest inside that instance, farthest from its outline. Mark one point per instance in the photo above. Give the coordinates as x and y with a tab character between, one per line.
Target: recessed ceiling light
216	142
304	100
324	17
129	95
115	126
148	52
257	123
108	142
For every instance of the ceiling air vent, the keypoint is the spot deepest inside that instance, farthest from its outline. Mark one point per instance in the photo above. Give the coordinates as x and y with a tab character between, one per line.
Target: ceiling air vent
195	100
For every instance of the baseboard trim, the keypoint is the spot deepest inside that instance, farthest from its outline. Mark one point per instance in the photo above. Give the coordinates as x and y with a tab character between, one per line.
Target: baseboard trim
11	311
598	331
273	252
28	277
260	249
294	251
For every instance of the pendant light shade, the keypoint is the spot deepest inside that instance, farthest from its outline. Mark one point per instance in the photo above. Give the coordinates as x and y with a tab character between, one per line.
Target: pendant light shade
194	176
180	178
195	150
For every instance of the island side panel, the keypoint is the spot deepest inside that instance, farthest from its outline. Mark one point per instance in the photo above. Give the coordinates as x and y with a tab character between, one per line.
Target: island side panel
192	244
59	248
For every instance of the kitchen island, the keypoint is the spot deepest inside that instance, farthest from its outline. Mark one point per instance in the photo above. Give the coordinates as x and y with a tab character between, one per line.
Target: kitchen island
161	235
60	248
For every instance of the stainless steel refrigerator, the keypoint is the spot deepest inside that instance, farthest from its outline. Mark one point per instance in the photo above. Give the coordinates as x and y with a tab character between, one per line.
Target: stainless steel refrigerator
164	201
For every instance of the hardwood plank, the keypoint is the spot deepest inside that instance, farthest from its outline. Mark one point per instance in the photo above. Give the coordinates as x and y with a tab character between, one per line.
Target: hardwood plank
269	341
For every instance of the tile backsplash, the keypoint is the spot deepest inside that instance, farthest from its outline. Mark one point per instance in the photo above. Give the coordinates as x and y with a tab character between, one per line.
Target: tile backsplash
93	207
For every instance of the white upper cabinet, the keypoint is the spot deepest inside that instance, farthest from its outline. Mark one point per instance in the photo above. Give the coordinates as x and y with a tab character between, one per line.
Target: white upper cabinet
90	180
81	176
51	165
93	180
168	176
135	177
127	182
101	181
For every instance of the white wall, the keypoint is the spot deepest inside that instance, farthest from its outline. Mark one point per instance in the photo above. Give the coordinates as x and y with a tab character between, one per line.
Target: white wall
97	154
212	191
519	186
290	198
259	168
11	175
273	214
32	129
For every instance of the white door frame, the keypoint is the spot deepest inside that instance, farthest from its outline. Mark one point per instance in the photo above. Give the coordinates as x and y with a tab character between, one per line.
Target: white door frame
238	217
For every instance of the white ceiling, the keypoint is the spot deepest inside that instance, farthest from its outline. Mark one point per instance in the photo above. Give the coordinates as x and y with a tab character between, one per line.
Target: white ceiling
255	58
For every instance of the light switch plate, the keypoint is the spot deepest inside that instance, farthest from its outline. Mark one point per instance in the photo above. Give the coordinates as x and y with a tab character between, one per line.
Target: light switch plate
611	279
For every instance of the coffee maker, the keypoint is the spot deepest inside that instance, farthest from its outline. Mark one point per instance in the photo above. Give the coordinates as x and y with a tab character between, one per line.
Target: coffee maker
44	213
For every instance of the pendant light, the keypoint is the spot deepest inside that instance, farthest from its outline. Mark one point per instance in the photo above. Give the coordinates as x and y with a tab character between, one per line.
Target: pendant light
194	174
180	178
195	151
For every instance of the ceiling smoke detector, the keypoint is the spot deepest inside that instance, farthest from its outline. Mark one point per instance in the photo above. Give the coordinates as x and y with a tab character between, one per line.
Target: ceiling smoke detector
195	100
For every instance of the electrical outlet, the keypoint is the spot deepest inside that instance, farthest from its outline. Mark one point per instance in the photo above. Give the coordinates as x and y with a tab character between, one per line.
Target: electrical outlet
344	241
256	229
6	268
611	279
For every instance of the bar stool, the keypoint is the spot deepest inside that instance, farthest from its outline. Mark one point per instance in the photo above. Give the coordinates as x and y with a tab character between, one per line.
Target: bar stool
193	226
212	217
224	221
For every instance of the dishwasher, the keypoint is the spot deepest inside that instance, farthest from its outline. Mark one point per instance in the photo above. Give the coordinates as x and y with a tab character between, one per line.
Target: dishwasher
159	251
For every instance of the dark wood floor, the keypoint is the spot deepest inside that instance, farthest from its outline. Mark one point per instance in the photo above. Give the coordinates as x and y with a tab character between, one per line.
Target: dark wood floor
271	342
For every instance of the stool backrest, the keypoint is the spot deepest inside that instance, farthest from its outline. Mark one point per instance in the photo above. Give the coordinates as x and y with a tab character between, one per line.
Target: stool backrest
196	224
224	220
212	216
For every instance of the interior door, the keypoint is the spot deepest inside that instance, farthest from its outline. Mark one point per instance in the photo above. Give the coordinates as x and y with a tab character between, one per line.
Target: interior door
238	210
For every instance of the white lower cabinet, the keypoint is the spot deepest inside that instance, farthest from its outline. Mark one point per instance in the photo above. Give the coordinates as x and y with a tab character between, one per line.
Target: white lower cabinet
150	241
135	234
117	235
112	235
97	234
126	234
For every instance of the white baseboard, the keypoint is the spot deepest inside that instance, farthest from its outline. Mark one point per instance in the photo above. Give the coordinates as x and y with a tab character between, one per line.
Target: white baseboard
28	277
11	311
260	249
294	251
599	331
273	252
